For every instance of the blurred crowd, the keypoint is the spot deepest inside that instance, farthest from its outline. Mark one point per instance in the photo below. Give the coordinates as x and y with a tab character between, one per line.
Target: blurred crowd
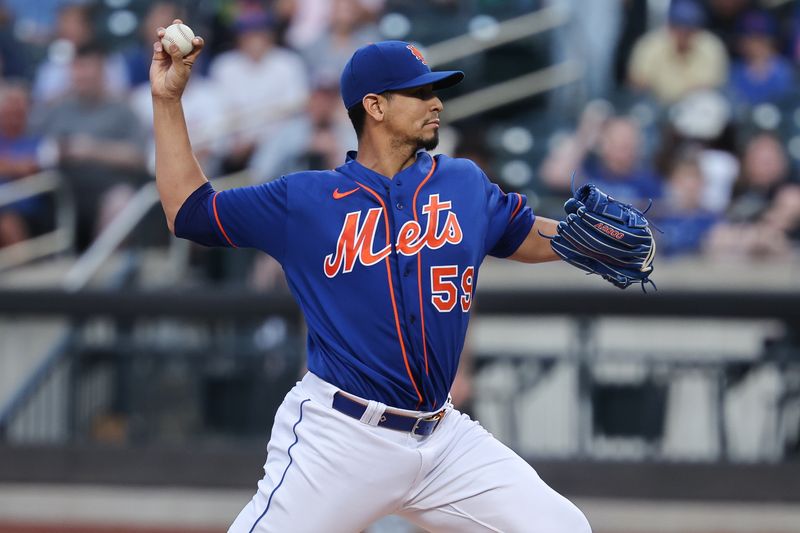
702	120
693	108
264	97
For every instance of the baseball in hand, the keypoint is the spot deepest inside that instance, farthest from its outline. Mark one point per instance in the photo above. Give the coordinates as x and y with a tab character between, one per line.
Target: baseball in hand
181	35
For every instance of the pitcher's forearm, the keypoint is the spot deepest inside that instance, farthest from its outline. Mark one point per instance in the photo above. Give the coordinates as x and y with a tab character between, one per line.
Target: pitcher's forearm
536	247
178	173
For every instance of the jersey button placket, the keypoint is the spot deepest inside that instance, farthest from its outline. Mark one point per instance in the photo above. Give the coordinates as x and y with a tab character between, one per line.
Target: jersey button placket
396	195
407	267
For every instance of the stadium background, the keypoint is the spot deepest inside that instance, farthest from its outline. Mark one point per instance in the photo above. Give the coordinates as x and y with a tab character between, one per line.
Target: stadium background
139	374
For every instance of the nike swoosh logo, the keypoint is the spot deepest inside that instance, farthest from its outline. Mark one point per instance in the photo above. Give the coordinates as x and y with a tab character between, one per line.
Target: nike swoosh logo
339	195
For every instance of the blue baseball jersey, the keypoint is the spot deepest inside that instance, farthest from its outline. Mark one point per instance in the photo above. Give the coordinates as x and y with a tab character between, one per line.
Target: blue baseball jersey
383	269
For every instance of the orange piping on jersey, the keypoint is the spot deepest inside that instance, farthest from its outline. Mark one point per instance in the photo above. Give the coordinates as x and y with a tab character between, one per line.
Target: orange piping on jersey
216	217
391	293
519	204
419	267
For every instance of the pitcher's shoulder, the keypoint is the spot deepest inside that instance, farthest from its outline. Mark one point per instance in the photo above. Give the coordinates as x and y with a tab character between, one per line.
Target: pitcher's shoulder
306	180
459	166
317	185
306	177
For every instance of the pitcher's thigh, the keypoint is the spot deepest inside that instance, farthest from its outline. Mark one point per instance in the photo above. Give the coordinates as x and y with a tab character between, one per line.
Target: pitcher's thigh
480	484
294	512
525	506
320	476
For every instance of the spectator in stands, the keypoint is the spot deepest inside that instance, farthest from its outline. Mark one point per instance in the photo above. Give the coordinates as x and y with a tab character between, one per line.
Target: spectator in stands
569	150
34	21
204	108
203	104
761	213
765	169
608	151
669	62
619	166
74	30
14	53
306	20
773	235
313	142
704	120
761	75
784	212
264	85
18	158
680	216
101	144
723	21
351	26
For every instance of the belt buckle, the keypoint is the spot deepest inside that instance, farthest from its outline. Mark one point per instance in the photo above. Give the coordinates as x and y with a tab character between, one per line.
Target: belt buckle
435	417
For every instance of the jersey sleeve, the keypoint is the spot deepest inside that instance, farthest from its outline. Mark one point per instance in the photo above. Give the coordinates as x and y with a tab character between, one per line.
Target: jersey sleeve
510	220
247	217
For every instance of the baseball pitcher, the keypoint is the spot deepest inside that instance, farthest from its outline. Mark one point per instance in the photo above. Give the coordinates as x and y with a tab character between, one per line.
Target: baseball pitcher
382	254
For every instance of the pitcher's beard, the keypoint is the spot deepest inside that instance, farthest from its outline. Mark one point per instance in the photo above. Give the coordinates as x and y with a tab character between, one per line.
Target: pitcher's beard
430	143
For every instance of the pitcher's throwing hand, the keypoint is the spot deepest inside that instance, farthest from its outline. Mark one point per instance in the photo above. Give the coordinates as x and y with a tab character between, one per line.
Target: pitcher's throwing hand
170	68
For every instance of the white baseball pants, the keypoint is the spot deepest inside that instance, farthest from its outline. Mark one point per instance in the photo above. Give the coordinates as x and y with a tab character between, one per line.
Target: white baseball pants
327	472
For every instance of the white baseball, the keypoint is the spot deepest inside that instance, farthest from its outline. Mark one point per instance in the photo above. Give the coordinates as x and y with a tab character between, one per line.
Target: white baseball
181	35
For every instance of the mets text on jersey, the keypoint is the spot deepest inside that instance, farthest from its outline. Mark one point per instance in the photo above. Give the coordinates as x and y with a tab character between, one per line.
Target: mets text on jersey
356	240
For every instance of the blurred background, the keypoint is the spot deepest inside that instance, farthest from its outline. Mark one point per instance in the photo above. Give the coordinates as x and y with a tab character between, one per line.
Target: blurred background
139	374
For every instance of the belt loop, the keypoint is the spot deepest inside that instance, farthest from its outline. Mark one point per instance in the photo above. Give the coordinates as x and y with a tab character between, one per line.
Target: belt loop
373	413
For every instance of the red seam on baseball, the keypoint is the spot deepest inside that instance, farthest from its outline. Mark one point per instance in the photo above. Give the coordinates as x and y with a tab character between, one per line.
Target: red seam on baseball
180	30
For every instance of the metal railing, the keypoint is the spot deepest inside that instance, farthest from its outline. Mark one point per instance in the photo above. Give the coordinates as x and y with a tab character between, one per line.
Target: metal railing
60	240
56	362
519	88
215	332
510	91
109	240
505	32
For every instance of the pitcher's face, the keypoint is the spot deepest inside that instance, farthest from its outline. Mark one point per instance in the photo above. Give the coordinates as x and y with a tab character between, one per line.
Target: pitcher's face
412	116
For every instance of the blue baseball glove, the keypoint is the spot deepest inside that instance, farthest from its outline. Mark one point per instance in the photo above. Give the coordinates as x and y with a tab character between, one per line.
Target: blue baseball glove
603	236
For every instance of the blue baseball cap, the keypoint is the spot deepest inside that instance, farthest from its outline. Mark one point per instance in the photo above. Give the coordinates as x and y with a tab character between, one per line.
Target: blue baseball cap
757	23
390	66
254	20
686	14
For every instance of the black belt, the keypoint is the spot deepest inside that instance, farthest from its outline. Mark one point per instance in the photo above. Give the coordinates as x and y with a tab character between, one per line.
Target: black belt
415	425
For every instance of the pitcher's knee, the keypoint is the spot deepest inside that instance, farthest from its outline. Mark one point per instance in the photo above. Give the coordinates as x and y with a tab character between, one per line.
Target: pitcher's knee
564	518
572	520
581	524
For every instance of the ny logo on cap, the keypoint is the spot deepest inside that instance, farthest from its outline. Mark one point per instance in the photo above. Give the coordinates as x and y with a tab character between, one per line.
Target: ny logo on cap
416	53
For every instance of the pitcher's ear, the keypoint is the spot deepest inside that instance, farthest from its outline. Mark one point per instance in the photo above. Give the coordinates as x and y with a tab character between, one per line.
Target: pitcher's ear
375	106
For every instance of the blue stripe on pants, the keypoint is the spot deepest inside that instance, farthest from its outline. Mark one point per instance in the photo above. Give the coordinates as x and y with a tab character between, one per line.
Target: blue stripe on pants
289	452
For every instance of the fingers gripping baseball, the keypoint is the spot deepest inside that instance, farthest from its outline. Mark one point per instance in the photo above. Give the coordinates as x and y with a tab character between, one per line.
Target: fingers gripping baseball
170	69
